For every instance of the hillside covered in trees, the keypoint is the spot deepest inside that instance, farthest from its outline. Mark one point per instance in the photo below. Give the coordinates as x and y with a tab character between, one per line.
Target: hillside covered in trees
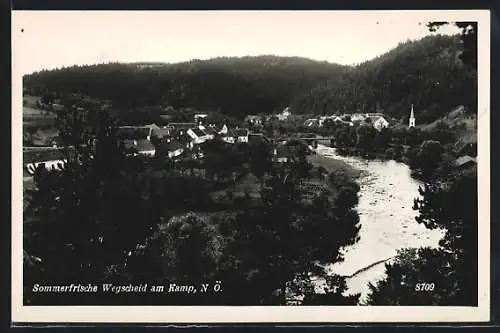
235	86
428	73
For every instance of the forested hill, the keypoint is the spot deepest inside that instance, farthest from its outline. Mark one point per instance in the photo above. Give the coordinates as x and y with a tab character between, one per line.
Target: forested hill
427	73
235	86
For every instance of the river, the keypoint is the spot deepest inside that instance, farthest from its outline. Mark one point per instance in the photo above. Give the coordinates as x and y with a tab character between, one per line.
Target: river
387	220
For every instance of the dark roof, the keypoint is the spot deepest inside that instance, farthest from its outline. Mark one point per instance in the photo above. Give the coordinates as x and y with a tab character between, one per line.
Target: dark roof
133	132
144	145
210	131
198	132
182	125
173	145
158	131
183	138
256	138
153	126
240	132
140	145
374	118
461	146
465	160
129	143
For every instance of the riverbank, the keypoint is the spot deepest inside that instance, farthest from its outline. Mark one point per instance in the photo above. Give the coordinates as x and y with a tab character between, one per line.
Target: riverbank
334	165
387	219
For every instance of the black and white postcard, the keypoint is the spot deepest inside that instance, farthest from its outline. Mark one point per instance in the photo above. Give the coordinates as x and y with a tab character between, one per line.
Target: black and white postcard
250	166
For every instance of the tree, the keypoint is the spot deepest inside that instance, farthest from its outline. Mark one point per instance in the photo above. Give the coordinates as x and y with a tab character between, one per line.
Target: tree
452	207
469	54
451	269
260	160
468	37
47	98
90	215
321	172
231	86
189	248
382	139
334	292
344	137
276	247
428	157
366	138
416	277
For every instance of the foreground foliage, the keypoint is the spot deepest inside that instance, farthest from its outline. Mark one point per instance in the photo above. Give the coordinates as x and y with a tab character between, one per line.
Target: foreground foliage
109	217
452	269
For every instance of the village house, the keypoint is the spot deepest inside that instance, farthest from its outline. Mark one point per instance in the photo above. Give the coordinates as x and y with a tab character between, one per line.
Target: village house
283	153
156	132
210	131
323	119
339	120
48	165
196	153
228	138
181	126
311	122
134	132
199	118
257	138
285	114
357	117
235	135
465	162
254	119
241	134
182	137
465	148
374	114
139	146
199	134
224	130
171	147
379	122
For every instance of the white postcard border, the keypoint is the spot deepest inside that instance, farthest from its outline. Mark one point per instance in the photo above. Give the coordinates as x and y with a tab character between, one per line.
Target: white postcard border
270	314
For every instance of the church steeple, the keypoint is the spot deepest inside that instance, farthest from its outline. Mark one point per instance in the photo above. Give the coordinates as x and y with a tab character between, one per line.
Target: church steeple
412	118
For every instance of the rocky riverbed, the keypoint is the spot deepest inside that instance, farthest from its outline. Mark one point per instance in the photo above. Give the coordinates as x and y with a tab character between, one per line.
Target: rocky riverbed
387	220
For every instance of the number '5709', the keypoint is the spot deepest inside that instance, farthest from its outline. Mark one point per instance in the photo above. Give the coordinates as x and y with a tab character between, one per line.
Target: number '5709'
424	286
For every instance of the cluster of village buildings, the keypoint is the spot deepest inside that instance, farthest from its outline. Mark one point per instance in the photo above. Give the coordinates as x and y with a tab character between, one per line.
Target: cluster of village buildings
184	140
175	139
377	120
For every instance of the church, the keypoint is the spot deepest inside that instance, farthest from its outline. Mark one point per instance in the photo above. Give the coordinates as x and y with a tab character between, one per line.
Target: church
412	118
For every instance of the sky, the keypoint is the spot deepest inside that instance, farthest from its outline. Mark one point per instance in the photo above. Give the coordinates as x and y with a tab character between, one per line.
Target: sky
48	39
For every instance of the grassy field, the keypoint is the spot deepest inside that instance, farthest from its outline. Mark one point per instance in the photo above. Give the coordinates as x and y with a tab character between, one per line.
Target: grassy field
333	165
38	155
465	125
38	125
31	100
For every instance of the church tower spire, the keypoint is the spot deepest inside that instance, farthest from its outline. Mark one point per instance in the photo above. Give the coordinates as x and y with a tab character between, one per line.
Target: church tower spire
412	118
